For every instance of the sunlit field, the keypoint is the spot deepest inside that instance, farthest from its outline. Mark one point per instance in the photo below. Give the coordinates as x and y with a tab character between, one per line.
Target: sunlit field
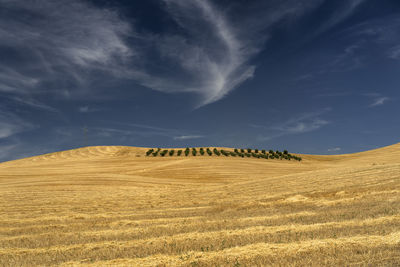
106	206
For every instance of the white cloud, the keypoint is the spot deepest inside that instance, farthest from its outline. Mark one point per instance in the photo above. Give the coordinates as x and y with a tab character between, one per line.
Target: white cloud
382	32
18	149
61	44
304	123
65	41
87	109
394	52
58	42
348	60
109	132
211	57
216	49
11	124
347	9
31	102
335	149
84	109
303	126
7	129
144	131
187	137
379	101
13	81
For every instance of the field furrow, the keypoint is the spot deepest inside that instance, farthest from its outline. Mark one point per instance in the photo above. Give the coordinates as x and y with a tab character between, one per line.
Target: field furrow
112	206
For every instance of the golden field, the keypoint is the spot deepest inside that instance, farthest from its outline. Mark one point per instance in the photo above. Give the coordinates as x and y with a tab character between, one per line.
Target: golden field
113	206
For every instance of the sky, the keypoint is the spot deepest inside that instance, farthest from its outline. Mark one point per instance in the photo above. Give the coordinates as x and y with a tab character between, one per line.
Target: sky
309	76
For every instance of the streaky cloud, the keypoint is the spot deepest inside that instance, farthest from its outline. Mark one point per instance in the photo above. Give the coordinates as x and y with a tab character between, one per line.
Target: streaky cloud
380	101
214	53
56	45
187	137
11	124
303	123
347	9
66	44
394	52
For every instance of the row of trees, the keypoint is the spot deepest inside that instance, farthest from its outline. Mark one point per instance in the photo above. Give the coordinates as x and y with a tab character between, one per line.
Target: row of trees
237	152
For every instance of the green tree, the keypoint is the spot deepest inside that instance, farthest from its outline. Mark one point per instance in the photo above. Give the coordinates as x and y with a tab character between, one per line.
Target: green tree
249	150
179	152
201	151
255	155
171	152
187	151
149	152
209	152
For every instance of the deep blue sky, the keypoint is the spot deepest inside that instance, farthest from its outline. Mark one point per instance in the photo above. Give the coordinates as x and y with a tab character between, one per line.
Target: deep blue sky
310	76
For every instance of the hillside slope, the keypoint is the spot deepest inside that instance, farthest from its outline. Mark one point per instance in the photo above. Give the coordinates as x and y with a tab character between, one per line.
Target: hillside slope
114	206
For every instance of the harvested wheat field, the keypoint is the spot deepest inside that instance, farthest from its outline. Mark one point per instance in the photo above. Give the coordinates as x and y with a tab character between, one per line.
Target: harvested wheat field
113	206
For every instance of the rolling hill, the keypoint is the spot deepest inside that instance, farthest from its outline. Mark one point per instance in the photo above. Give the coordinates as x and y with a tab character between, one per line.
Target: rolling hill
113	206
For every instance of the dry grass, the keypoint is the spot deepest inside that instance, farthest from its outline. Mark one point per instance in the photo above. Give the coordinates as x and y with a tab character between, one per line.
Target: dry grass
112	206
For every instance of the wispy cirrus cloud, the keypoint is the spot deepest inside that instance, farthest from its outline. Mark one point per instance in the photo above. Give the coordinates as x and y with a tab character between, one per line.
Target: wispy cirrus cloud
83	109
394	52
345	9
17	149
88	109
212	56
379	101
187	137
14	81
54	45
65	42
303	123
348	60
334	149
28	101
149	130
11	124
58	46
109	132
383	32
